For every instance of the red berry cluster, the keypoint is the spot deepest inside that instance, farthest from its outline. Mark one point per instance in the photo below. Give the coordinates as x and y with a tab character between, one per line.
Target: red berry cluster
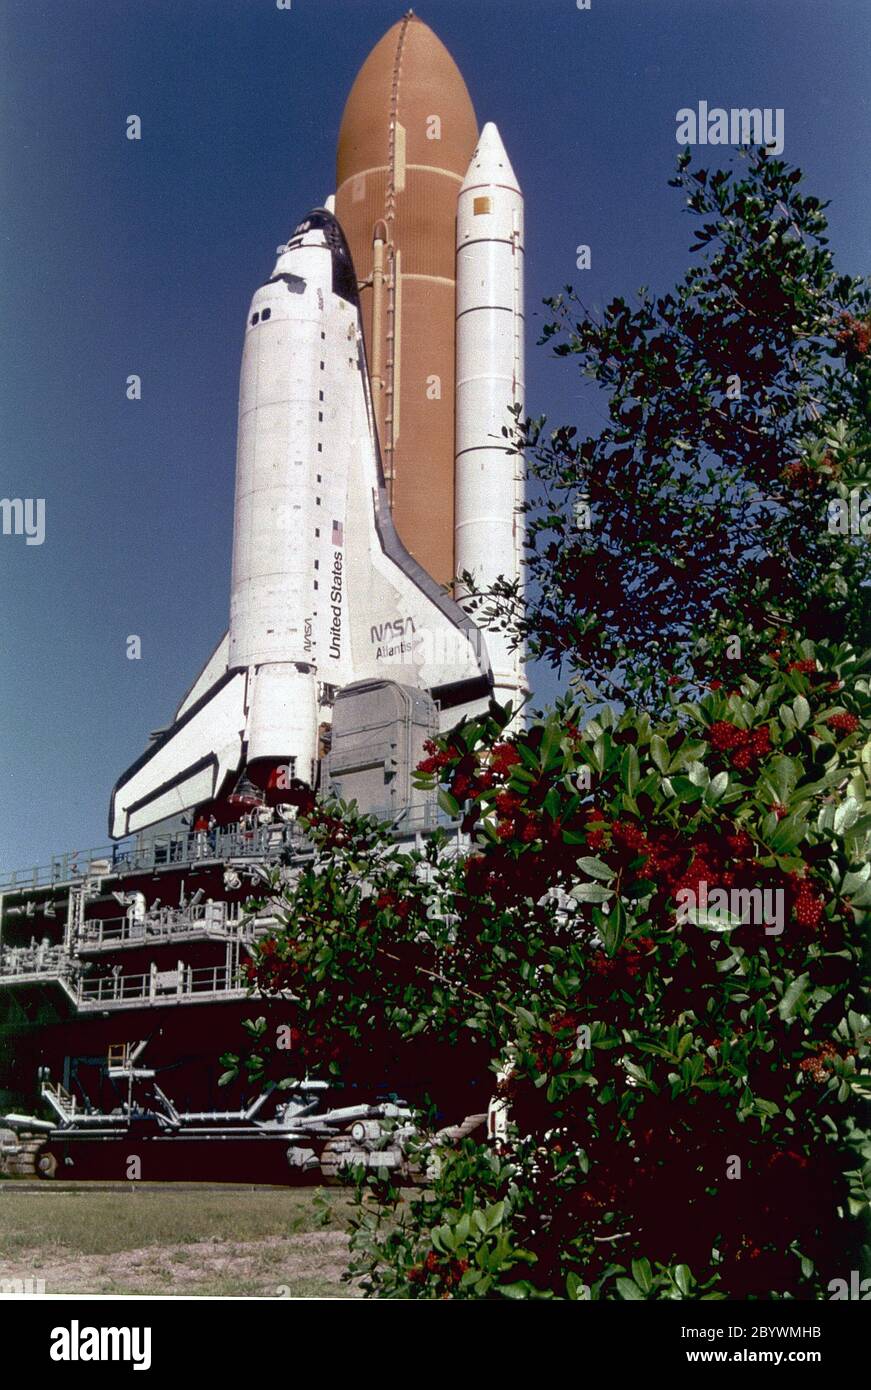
560	1023
389	902
740	844
808	905
523	828
695	879
543	1047
630	835
274	968
743	746
503	757
448	1273
333	829
463	786
819	1066
799	475
854	336
439	757
843	724
465	776
628	960
595	819
806	667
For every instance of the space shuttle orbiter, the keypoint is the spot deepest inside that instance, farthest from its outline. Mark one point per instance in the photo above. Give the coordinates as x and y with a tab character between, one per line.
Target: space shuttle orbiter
323	593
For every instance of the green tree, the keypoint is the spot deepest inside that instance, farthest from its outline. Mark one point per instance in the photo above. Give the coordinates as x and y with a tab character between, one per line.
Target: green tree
738	409
653	950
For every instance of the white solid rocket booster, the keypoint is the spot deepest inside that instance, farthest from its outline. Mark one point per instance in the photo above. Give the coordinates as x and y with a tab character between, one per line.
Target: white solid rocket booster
489	482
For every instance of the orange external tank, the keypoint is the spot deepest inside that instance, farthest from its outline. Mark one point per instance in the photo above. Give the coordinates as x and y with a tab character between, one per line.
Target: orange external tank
407	135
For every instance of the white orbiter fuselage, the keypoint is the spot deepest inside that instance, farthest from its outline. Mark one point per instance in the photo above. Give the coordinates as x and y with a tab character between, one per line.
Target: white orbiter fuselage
323	593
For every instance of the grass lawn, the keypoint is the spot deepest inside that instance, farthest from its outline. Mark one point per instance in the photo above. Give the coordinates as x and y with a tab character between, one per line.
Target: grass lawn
166	1239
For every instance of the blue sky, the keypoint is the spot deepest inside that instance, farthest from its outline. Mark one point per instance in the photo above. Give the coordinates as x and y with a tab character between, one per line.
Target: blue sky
120	257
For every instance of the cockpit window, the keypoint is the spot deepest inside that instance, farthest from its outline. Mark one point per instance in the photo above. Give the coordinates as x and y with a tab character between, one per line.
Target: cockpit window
255	318
267	314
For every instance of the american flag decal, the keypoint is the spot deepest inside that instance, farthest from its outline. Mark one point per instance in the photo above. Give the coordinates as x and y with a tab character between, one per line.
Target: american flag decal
338	533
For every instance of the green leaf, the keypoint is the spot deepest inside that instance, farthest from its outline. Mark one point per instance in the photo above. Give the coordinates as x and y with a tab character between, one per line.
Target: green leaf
599	756
659	752
590	893
716	788
550	744
846	815
493	1215
628	1289
682	788
630	769
783	775
698	774
791	998
596	868
684	1279
574	837
642	1275
611	927
802	710
787	834
448	803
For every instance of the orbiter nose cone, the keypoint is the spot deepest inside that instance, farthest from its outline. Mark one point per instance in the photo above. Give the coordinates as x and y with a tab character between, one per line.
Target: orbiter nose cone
490	162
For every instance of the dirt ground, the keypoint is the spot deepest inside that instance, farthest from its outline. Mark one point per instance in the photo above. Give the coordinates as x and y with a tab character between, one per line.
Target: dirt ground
165	1240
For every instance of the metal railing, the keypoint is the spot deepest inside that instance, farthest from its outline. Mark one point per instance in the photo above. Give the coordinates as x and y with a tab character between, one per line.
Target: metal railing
196	847
37	959
159	987
182	985
218	920
160	851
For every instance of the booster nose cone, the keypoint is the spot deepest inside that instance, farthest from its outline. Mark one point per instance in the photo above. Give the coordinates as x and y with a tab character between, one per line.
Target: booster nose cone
490	163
